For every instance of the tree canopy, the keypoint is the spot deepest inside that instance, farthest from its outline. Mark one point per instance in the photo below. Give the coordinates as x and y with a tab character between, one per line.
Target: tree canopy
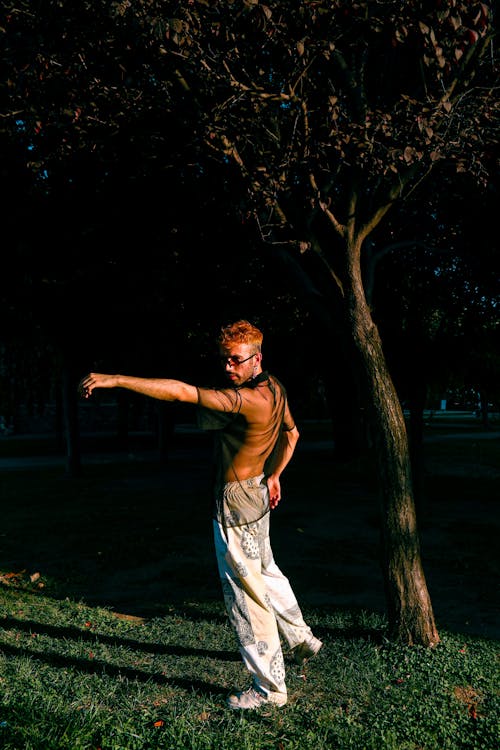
313	119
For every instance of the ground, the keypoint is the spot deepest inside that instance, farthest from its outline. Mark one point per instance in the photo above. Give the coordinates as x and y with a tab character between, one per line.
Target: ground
141	542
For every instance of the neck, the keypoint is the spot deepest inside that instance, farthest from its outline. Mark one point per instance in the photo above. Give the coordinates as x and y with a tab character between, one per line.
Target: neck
254	381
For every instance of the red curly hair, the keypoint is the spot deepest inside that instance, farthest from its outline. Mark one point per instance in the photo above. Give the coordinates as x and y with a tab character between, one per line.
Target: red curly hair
240	332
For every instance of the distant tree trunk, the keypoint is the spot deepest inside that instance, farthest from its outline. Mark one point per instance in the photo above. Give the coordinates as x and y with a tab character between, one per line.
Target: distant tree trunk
348	423
166	426
59	420
417	399
122	423
70	411
483	397
410	614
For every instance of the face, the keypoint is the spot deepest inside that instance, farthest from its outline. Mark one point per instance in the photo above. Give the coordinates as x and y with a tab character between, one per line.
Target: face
240	362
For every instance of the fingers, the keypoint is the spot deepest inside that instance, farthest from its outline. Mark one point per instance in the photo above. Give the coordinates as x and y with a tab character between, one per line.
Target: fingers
274	487
86	386
94	380
84	391
274	499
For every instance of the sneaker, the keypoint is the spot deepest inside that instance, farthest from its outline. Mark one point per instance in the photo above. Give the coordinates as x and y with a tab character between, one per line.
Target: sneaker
253	698
306	649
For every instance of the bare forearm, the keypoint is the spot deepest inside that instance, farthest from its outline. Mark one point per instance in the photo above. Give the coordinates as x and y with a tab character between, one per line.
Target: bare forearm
164	389
288	441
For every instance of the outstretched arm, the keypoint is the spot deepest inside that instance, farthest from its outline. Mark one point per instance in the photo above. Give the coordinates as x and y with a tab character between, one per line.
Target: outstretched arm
163	389
287	442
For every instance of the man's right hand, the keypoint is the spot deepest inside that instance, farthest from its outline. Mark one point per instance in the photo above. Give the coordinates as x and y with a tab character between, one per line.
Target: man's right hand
274	487
95	380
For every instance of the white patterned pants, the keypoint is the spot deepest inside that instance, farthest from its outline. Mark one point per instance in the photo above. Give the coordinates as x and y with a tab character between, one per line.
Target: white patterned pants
259	600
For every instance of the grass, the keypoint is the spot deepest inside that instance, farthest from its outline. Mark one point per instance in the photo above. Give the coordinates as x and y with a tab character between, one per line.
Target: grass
79	675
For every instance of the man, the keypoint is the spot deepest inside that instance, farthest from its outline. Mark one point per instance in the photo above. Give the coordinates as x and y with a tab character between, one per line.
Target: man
255	440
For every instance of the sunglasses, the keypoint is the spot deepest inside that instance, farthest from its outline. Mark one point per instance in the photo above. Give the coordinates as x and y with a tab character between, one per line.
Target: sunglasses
234	360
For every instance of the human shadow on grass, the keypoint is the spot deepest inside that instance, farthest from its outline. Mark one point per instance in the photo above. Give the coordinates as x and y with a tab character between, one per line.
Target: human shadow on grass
96	666
54	631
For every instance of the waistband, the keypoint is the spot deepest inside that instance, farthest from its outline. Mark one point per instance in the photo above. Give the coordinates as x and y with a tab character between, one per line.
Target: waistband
250	482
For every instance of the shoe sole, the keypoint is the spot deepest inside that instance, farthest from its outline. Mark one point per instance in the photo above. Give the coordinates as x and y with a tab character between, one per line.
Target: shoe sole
269	702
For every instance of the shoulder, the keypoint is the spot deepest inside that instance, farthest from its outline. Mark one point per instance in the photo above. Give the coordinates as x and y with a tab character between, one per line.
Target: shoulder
219	399
277	383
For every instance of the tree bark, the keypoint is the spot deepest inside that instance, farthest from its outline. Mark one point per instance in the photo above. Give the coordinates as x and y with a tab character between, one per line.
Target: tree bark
409	608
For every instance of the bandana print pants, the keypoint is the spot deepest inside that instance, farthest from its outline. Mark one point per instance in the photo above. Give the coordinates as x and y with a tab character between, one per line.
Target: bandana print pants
259	599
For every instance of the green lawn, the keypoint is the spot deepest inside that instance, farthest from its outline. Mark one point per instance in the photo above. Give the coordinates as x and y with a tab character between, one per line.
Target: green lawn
154	673
74	676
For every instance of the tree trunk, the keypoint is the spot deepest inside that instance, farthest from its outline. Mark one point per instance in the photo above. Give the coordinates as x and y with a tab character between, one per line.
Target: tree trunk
410	614
70	412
